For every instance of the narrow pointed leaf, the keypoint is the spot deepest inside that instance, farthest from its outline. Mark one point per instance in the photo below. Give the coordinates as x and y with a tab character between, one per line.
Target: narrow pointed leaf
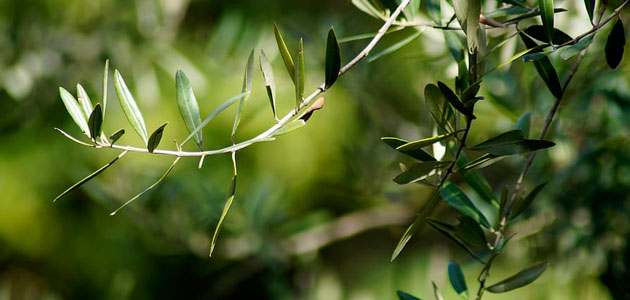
129	106
469	231
511	142
570	51
299	74
455	198
523	124
436	292
440	111
482	162
545	69
519	279
294	125
226	208
449	232
209	118
247	89
452	98
156	183
590	8
188	107
614	45
116	135
95	122
472	25
476	180
546	14
333	58
415	34
105	80
75	111
284	52
456	277
90	177
84	101
420	171
418	154
419	144
539	32
404	296
270	82
434	10
155	138
522	205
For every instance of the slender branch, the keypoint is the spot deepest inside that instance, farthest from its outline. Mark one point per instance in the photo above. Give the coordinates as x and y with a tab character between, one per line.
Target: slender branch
267	135
597	27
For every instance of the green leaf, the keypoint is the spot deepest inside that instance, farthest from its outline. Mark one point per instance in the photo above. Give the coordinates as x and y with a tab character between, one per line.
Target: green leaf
188	107
105	79
511	142
476	180
415	34
449	232
333	58
156	183
129	106
226	208
536	56
456	276
95	122
270	81
434	10
209	118
614	45
419	144
116	135
299	74
569	51
296	124
590	8
90	177
247	89
472	25
455	198
514	2
521	206
284	52
418	154
518	280
452	98
84	101
420	171
545	69
155	138
482	162
404	296
75	111
523	124
546	14
469	231
436	292
470	93
440	111
531	15
539	32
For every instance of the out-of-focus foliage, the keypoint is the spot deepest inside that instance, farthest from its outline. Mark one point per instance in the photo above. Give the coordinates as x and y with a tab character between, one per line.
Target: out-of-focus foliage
299	197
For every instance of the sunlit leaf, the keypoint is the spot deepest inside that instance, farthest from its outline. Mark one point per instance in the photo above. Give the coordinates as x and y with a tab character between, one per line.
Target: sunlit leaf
469	231
226	208
95	122
299	74
129	106
270	81
116	135
456	198
456	276
420	171
155	138
75	111
294	125
418	154
514	2
333	58
546	14
91	176
188	106
482	162
412	36
209	118
284	52
247	89
419	144
472	25
518	280
614	45
84	101
511	142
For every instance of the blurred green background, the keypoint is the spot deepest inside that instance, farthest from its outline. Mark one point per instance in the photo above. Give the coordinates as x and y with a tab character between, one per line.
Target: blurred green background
316	214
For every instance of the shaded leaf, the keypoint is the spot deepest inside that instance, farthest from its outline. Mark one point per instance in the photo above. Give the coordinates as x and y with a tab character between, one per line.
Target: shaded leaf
95	122
419	144
440	111
469	231
449	232
155	138
476	180
456	276
569	51
270	81
518	280
188	106
247	89
436	292
333	58
116	135
614	45
545	70
420	171
523	124
456	198
226	208
452	98
546	14
91	176
539	32
284	52
129	106
75	111
404	296
511	142
299	74
415	34
482	162
418	154
521	206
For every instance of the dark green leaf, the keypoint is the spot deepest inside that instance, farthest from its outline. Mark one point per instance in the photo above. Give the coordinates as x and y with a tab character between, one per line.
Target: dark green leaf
116	135
129	106
449	232
75	111
434	10
90	177
507	11
419	144
188	107
590	8
440	111
614	45
452	98
503	202
469	231
299	74
270	81
284	52
538	32
95	122
412	36
569	51
333	58
455	44
535	56
546	14
521	206
420	171
228	204
531	15
155	138
476	180
471	92
514	2
545	70
523	124
418	154
84	101
404	296
518	280
482	162
247	89
511	142
456	276
455	198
